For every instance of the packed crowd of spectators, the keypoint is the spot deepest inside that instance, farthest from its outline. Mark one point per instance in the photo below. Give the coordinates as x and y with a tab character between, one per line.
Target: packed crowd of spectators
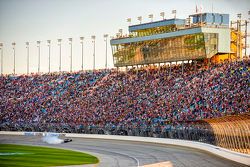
148	97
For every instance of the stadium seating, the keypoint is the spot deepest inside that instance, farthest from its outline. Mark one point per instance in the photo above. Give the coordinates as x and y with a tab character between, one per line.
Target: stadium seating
151	97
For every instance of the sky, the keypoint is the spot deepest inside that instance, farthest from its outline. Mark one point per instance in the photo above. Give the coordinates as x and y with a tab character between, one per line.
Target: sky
32	20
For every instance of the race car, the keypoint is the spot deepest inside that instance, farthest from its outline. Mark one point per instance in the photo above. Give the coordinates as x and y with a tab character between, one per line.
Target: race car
67	140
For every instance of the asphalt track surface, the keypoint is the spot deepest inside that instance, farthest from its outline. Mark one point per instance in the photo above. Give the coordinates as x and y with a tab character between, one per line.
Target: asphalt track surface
113	153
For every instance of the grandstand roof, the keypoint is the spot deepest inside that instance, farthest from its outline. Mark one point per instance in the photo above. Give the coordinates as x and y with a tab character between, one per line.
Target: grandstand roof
160	23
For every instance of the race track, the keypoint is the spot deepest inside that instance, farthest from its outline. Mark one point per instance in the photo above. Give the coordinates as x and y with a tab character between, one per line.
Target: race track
114	153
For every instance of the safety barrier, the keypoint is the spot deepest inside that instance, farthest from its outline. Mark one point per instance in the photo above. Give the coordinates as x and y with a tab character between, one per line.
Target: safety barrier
230	132
219	151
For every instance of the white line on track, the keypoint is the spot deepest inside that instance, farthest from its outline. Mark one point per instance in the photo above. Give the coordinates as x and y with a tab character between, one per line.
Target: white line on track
134	158
137	161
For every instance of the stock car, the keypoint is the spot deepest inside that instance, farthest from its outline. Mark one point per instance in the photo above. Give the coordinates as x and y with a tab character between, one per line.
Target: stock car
67	140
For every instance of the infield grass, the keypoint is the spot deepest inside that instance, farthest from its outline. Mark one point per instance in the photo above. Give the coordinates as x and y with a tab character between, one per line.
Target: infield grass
20	155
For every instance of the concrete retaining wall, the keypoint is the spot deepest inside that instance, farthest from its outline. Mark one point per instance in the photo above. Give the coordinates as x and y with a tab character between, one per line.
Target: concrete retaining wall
219	151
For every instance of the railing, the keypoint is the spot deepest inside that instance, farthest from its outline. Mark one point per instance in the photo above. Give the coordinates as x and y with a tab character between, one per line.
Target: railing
231	132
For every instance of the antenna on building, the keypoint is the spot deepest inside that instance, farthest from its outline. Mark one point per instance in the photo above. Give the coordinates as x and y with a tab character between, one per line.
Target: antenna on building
201	8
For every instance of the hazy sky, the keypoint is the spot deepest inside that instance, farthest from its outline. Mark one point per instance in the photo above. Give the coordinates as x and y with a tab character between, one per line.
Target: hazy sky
32	20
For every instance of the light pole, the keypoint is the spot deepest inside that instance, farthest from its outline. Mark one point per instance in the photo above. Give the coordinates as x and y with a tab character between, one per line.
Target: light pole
93	40
239	15
246	33
48	43
129	21
162	14
151	16
27	46
174	12
14	51
139	18
70	43
239	22
106	40
60	54
38	46
120	31
1	47
239	36
81	41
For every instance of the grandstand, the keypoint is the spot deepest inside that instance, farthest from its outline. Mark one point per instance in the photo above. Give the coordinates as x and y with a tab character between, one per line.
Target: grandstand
145	103
205	99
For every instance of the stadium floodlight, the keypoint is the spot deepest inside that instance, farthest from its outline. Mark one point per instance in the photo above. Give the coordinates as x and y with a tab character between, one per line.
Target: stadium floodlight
120	31
49	44
70	43
239	15
27	46
129	21
60	53
106	41
151	16
38	46
174	13
162	14
93	40
14	51
139	18
81	41
1	47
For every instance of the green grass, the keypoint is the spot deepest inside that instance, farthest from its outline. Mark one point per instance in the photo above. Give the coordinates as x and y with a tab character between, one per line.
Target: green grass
42	156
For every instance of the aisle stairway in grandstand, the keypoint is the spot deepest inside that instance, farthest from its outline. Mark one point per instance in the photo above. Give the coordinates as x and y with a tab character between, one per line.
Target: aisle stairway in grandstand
98	82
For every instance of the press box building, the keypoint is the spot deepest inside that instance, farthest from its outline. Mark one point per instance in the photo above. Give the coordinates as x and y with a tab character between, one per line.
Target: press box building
205	36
